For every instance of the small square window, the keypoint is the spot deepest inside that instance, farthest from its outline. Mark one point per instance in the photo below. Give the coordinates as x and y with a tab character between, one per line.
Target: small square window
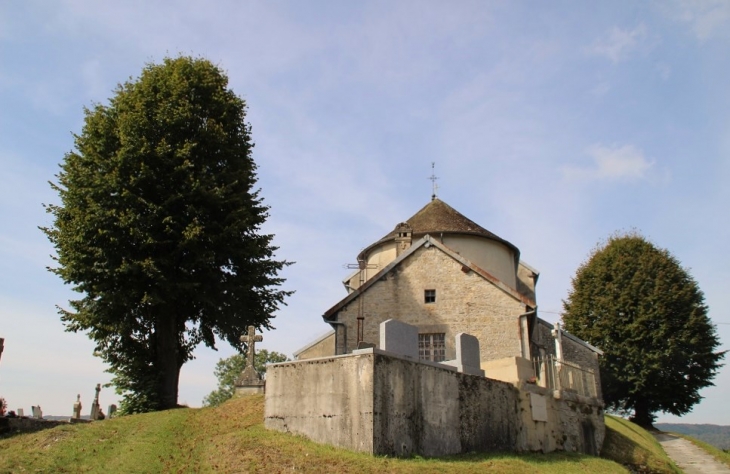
429	296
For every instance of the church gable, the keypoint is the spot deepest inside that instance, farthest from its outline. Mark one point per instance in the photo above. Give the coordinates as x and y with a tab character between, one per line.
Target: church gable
428	242
442	294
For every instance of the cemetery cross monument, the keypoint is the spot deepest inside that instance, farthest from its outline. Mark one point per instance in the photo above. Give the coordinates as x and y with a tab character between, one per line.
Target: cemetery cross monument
249	382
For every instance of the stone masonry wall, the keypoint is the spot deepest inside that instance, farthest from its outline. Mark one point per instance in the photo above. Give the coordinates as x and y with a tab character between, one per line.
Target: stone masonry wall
572	352
581	355
543	338
325	347
465	302
28	425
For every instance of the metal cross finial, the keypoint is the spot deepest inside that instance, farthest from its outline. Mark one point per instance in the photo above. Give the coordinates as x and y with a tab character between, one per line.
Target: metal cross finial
251	339
433	179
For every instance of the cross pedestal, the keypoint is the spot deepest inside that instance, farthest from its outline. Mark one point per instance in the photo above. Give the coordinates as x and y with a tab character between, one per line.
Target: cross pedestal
249	382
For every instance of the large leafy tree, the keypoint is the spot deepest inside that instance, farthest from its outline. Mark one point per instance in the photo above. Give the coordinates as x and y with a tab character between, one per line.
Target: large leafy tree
159	228
229	369
647	313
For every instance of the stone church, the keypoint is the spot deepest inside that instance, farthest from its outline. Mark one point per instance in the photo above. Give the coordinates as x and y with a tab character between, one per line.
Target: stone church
446	274
437	349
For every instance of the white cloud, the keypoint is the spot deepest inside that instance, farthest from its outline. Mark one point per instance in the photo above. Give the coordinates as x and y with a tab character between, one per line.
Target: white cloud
616	163
619	43
706	18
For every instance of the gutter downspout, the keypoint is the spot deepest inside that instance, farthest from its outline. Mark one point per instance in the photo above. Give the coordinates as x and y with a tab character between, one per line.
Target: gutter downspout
558	335
337	334
525	333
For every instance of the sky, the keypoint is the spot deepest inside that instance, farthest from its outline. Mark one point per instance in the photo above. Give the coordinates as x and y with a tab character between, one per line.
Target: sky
552	124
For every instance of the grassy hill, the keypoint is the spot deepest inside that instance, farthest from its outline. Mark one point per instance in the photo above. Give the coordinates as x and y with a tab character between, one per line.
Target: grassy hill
631	445
231	438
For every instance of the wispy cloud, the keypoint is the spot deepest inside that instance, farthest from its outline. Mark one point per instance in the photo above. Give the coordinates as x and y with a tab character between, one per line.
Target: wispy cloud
707	18
612	163
619	43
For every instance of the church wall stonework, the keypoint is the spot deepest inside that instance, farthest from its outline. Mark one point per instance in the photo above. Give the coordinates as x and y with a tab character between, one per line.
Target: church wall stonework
572	352
465	302
581	355
322	348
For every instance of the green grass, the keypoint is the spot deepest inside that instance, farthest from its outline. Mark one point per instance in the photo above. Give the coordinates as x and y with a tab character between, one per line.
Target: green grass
718	454
231	438
631	445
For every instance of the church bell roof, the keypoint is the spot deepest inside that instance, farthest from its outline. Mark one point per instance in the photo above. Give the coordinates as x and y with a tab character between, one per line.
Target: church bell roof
437	218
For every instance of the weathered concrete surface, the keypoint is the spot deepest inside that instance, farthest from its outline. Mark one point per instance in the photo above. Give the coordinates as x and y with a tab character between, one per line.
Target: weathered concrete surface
690	458
329	400
381	403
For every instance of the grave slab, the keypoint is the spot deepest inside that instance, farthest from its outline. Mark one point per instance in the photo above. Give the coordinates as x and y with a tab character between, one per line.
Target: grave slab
399	338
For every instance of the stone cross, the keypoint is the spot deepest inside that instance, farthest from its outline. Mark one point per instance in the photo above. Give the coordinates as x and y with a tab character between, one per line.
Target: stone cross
249	381
77	408
95	404
251	339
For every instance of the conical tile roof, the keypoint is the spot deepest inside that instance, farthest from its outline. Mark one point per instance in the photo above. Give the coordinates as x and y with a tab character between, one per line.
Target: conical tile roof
437	218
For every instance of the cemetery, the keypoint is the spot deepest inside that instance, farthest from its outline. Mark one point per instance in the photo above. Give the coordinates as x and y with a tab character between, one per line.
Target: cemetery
15	421
384	400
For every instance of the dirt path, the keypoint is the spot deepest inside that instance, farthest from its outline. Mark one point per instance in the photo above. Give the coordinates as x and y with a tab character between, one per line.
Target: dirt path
690	458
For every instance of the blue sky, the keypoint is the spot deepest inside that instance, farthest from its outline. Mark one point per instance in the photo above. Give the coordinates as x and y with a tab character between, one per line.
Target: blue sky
551	125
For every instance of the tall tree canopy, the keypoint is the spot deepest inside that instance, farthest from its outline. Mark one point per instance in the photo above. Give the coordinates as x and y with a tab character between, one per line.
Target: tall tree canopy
159	228
646	312
229	369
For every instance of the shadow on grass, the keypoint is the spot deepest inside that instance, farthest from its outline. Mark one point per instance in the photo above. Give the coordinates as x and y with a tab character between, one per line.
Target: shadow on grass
622	449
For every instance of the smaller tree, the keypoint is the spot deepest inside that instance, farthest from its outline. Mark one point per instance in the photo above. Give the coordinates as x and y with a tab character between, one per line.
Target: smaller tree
227	371
647	313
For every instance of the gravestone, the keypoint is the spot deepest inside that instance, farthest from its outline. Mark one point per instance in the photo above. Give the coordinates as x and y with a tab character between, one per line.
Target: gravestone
467	355
77	408
94	415
249	382
399	338
111	411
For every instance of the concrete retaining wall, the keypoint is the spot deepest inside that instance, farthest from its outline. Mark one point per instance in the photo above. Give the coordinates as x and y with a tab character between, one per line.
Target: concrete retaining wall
384	404
329	400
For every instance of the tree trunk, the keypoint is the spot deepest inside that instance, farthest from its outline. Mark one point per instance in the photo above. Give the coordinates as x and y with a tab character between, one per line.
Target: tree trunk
642	416
167	355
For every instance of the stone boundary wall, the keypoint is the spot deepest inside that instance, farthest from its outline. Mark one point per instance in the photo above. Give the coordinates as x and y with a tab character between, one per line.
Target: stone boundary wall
28	425
385	404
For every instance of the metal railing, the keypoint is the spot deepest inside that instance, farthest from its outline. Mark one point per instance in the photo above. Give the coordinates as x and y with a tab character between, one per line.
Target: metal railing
562	375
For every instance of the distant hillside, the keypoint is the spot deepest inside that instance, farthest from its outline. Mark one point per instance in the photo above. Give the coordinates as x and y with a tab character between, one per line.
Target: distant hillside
716	435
